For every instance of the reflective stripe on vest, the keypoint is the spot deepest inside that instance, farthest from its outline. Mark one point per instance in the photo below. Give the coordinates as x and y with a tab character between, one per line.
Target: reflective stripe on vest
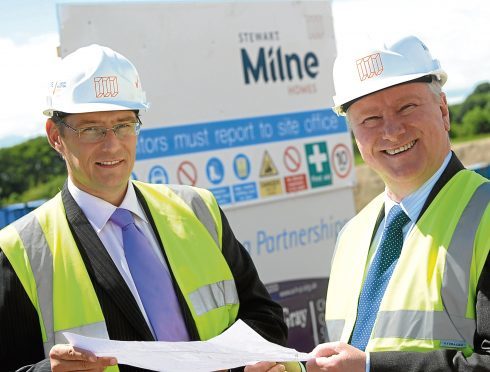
213	296
455	283
192	198
452	324
335	328
41	262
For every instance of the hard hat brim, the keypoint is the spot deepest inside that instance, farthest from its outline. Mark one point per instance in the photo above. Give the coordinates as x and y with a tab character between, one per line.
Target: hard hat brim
97	107
377	85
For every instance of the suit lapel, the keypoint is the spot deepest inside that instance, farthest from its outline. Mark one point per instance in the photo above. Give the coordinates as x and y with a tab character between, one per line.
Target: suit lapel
101	268
453	167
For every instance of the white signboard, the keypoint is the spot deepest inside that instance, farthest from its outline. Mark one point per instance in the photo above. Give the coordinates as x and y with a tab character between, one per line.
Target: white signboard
240	95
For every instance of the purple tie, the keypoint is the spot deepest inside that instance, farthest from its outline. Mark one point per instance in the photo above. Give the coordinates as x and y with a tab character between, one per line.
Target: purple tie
152	281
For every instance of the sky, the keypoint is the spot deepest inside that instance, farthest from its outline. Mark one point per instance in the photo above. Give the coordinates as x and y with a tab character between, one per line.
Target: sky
454	31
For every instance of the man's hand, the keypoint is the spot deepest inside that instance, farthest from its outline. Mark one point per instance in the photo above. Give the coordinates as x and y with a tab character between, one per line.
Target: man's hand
68	358
337	357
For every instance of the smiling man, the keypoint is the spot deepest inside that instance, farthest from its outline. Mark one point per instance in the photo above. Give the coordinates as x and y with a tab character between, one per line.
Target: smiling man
417	295
113	258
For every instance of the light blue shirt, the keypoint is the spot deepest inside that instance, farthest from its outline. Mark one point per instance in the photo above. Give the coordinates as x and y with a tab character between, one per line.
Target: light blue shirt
412	206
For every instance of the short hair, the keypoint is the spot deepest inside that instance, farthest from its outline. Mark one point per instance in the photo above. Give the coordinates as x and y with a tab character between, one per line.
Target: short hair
58	117
436	87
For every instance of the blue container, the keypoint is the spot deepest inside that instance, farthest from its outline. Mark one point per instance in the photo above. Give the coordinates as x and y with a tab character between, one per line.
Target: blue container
481	168
13	212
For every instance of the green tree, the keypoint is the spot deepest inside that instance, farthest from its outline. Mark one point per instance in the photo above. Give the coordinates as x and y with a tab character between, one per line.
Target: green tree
27	166
479	98
477	121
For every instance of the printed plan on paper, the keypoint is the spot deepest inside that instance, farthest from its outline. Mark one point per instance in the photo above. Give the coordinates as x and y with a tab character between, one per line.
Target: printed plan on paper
237	346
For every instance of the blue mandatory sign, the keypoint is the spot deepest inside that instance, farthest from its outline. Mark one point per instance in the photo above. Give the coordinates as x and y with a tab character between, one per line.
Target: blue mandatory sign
241	166
158	174
222	194
215	171
245	191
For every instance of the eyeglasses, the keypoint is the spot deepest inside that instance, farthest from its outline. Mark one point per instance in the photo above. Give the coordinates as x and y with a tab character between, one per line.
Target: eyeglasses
97	134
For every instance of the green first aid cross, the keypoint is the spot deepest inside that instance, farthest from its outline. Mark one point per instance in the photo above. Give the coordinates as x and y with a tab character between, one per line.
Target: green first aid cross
318	164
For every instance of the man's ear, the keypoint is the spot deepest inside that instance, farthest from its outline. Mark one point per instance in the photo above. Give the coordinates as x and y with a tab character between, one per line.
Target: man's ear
445	112
53	134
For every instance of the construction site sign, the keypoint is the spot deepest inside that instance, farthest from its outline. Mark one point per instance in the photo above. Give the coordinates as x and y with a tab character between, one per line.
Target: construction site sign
240	97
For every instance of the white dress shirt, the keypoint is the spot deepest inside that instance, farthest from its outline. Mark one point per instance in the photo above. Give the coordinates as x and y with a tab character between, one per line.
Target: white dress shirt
98	212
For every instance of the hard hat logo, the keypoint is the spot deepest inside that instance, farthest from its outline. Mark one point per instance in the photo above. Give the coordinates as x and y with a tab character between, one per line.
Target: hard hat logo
106	86
57	85
369	66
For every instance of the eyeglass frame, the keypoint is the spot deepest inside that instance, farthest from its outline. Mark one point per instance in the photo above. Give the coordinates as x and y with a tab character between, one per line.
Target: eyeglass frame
136	127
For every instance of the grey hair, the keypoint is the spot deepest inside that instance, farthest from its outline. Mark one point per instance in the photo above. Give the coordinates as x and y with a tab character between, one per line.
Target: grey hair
436	87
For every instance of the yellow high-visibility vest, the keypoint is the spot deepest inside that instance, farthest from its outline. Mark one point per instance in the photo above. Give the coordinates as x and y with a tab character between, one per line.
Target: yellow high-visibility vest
46	259
429	302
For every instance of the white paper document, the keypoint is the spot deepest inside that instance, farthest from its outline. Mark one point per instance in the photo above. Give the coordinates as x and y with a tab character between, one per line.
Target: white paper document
237	346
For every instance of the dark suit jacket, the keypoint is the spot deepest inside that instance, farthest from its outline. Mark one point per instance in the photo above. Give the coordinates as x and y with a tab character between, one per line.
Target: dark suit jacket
446	360
20	336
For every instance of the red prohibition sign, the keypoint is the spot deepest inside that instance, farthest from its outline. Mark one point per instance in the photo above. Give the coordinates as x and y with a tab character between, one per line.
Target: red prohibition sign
187	173
292	158
342	160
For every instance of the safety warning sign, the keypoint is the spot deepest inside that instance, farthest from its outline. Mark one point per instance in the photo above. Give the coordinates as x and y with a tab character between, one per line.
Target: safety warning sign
187	173
341	160
215	171
245	191
222	195
270	187
318	164
296	183
241	166
292	159
158	174
268	168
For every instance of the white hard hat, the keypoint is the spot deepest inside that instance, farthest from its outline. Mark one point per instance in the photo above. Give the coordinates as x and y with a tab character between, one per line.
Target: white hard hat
358	74
95	78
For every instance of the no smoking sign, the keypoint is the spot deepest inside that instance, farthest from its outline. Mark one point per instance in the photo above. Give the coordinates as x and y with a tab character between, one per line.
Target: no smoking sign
292	159
187	173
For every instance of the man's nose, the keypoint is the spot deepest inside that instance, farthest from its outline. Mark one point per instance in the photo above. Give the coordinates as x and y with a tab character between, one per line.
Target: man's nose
393	128
110	138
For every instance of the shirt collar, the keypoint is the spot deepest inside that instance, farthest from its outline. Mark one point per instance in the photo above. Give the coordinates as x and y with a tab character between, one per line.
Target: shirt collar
413	203
98	211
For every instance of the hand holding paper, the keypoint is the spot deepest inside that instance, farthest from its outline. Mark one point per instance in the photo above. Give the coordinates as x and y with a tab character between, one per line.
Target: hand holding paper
237	346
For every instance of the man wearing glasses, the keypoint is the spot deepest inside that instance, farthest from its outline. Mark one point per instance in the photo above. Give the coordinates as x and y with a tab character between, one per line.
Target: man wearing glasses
113	258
